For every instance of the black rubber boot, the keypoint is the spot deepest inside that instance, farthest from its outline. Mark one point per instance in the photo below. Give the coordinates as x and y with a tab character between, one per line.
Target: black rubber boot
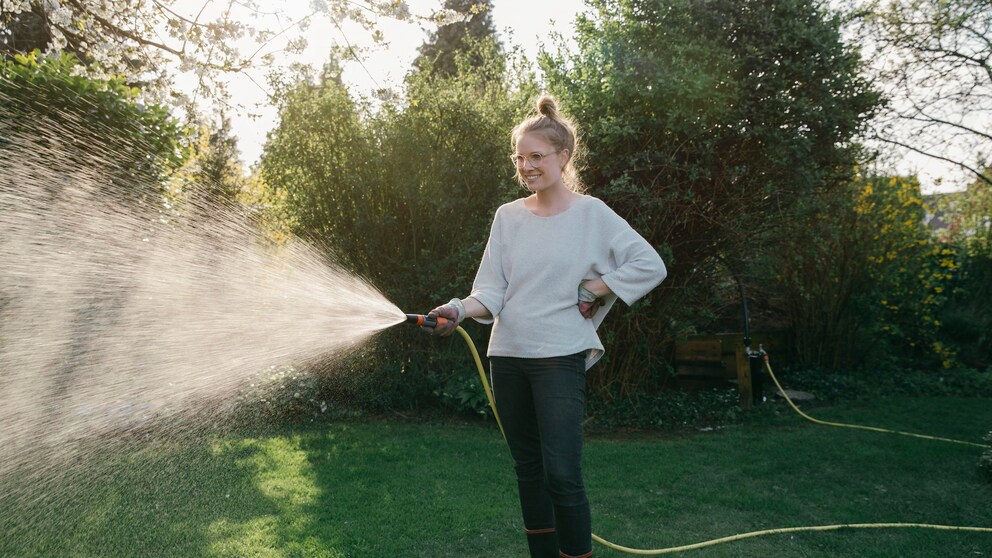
574	528
543	543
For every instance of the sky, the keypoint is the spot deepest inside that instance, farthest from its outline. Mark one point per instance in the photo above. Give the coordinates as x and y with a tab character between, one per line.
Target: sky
525	23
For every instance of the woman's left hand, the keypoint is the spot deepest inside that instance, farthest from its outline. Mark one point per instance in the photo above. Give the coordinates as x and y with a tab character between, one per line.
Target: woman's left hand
588	309
589	301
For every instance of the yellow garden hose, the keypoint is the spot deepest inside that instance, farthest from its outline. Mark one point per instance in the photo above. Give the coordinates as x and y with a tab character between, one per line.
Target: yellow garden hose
670	550
753	534
482	376
858	426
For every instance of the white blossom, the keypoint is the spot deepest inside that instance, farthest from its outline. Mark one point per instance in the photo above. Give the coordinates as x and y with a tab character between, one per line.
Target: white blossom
61	16
15	6
447	16
58	41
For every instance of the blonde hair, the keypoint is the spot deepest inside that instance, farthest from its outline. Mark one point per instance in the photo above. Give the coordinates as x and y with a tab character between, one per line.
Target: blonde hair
558	130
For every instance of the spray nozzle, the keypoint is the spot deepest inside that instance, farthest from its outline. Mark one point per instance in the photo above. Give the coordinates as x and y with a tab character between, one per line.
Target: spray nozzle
425	321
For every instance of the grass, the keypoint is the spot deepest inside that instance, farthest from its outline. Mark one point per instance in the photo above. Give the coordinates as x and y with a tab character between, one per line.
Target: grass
379	489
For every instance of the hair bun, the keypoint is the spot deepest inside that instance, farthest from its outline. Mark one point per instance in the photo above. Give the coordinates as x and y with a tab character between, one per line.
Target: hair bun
546	106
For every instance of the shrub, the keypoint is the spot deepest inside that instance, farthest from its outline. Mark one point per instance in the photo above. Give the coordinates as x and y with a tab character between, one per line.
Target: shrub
968	316
282	392
669	410
864	281
891	380
96	121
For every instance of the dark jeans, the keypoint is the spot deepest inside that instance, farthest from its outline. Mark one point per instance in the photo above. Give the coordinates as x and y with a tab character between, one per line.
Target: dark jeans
541	403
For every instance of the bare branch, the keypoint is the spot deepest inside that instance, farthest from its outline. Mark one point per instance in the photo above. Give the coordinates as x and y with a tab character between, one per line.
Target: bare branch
981	176
274	37
353	53
163	8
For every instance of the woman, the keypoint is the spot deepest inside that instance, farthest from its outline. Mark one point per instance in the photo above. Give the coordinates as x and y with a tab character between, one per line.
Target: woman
555	263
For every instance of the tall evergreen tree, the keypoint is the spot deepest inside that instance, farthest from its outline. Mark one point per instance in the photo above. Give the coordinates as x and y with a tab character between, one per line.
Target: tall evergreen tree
439	53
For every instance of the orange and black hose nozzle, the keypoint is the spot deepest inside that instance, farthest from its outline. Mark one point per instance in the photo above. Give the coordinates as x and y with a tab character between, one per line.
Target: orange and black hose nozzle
422	320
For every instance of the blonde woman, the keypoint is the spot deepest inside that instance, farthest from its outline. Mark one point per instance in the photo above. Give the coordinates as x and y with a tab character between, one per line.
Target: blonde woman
555	263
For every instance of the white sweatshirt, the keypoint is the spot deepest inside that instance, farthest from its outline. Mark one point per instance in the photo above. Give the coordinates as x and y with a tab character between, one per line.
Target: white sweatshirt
531	271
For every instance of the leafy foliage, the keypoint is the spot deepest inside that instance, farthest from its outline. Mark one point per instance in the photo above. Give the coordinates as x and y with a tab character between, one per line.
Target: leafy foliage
669	410
864	278
101	120
967	318
323	158
888	380
911	270
211	174
284	393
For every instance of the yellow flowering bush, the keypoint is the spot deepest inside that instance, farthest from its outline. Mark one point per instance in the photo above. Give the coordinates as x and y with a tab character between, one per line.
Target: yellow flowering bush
911	272
862	279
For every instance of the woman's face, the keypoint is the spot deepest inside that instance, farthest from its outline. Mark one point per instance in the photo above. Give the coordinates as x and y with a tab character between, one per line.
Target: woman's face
542	175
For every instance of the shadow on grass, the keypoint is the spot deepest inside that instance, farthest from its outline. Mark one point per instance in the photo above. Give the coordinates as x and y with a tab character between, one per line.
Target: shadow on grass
159	497
329	491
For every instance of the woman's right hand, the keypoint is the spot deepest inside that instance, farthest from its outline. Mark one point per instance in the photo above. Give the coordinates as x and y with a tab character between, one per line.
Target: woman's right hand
452	316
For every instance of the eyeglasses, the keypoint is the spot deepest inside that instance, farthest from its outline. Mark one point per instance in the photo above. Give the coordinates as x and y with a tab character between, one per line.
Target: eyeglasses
534	158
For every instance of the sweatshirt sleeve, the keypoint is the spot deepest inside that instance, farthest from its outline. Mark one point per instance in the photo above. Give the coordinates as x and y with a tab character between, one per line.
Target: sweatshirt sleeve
639	267
490	283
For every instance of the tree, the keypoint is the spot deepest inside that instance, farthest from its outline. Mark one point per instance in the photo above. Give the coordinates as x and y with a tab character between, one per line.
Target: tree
323	157
438	52
211	174
968	316
864	280
934	60
712	127
144	41
404	196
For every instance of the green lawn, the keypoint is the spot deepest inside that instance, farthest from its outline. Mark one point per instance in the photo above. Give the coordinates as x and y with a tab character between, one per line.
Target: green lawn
380	489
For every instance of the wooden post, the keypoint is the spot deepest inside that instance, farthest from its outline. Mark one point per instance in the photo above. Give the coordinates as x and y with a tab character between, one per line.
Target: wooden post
744	379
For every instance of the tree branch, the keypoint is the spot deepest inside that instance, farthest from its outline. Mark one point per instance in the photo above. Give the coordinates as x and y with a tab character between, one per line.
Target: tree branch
981	176
280	33
120	32
922	116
